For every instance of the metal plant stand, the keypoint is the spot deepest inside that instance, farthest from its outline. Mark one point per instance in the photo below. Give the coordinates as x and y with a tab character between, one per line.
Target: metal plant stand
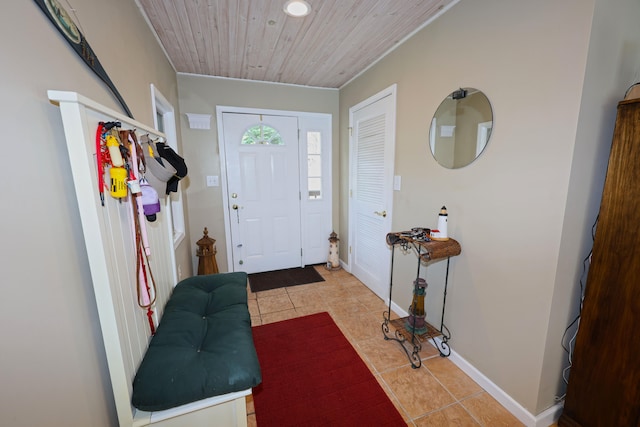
409	338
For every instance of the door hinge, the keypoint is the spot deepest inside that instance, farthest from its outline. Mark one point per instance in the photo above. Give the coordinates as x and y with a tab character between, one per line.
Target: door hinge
350	131
349	249
300	251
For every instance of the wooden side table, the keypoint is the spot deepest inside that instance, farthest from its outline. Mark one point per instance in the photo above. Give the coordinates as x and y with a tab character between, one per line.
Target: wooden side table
426	250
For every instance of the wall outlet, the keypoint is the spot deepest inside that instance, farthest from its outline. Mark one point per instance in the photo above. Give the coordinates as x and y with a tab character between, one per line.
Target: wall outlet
212	181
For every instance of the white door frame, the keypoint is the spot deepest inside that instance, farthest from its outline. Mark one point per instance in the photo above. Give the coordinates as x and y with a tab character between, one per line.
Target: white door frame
173	207
327	226
389	91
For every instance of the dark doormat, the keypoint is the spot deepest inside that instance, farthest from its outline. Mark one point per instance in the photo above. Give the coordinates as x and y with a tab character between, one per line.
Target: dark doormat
281	278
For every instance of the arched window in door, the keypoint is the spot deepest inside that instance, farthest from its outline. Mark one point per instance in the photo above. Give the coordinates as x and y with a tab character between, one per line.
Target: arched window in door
262	135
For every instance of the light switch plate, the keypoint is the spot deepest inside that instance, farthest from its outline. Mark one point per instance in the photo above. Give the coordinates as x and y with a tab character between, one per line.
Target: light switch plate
397	182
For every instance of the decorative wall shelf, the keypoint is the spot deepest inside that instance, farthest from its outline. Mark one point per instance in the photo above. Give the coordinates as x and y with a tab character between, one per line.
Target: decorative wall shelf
199	121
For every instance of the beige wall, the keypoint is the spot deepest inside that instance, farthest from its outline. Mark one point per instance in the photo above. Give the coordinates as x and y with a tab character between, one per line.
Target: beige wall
523	211
52	364
201	95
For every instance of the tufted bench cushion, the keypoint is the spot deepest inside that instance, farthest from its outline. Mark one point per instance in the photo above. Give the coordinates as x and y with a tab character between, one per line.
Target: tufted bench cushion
203	346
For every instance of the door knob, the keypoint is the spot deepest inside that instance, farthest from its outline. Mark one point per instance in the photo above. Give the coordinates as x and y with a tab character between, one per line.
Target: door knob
383	214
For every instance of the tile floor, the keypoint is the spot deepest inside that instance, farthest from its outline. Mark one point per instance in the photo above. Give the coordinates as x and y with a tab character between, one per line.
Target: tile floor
437	394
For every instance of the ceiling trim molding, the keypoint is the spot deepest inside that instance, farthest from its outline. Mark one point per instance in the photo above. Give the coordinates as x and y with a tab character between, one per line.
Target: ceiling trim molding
258	81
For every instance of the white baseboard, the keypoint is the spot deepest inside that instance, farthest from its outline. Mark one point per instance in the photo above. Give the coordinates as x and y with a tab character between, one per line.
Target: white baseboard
396	308
544	419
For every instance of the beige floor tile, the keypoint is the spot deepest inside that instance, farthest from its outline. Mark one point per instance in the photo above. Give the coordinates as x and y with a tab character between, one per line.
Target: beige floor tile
372	302
359	326
352	284
250	407
334	292
327	282
383	354
452	377
343	329
278	316
302	288
250	295
253	307
364	358
334	274
271	293
306	311
428	351
345	307
489	412
417	390
454	415
309	298
251	412
323	272
256	321
394	400
274	303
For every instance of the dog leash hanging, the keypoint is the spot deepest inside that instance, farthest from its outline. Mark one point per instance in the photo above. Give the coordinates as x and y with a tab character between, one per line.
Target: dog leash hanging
134	184
146	294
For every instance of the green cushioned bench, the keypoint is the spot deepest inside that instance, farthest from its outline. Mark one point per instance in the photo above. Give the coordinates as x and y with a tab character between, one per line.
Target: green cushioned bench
203	346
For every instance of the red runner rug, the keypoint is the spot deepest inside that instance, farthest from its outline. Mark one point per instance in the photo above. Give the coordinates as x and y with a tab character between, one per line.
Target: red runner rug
312	376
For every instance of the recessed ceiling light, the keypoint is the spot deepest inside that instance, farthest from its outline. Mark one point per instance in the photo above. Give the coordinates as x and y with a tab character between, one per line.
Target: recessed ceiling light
297	8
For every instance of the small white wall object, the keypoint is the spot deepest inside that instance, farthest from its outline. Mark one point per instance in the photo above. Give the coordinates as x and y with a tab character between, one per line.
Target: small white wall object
199	121
447	131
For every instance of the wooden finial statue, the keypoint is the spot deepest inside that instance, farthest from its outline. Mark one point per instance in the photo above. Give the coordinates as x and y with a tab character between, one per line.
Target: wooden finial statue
207	253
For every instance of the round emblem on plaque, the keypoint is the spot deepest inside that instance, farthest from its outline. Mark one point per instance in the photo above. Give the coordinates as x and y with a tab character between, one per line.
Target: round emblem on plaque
63	20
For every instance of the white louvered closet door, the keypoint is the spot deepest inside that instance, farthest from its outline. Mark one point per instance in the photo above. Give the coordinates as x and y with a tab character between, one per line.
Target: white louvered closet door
373	128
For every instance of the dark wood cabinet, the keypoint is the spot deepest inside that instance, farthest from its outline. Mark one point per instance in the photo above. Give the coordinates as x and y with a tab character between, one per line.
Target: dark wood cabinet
604	383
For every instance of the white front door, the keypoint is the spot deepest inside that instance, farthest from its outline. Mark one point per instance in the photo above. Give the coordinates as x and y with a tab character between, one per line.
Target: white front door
264	191
371	194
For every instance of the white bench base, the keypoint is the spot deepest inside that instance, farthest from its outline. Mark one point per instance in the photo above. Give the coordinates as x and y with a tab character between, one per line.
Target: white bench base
226	410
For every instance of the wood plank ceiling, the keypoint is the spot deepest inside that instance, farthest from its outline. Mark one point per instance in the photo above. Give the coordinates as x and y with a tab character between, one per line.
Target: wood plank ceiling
256	40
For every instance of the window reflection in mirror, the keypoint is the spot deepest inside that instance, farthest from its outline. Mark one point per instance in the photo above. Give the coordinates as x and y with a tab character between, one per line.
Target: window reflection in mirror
461	128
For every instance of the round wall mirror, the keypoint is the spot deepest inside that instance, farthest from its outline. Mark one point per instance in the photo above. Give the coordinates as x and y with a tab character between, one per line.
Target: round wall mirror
461	128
